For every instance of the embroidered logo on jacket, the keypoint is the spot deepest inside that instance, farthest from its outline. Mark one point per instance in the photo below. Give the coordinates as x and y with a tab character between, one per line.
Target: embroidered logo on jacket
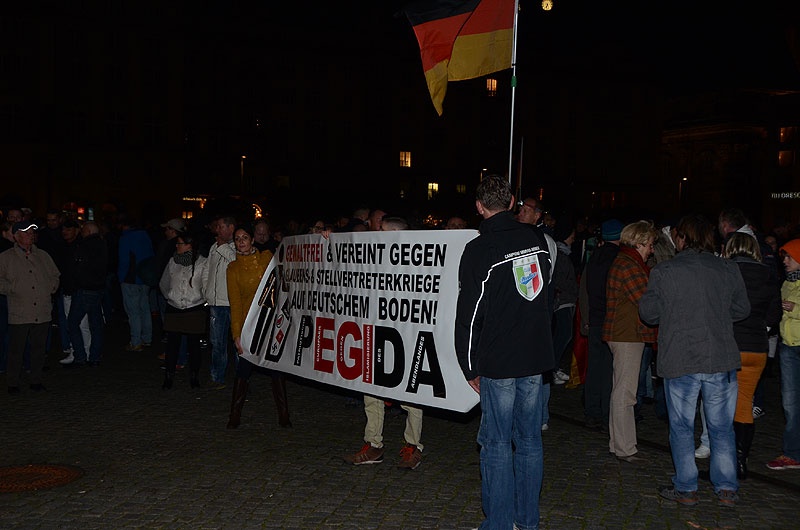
527	276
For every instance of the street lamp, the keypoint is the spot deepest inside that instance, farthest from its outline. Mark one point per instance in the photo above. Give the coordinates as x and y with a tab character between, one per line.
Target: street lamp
241	181
680	190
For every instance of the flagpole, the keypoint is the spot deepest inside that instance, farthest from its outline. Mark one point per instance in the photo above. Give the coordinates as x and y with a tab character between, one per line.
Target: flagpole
513	89
519	167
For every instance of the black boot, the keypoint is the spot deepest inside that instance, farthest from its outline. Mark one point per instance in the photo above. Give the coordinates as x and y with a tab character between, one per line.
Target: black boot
195	379
168	378
281	401
237	401
744	439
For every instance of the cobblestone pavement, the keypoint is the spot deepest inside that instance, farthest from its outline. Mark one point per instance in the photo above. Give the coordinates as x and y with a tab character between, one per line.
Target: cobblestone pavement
163	459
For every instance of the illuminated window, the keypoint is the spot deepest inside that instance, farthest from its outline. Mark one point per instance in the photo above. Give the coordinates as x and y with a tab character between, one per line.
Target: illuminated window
461	188
491	87
788	134
785	158
405	158
433	189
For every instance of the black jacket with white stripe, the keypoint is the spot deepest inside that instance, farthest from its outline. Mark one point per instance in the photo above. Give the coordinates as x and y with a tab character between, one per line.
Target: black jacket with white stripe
504	310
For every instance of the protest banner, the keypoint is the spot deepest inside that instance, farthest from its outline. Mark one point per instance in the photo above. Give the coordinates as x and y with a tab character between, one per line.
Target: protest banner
370	311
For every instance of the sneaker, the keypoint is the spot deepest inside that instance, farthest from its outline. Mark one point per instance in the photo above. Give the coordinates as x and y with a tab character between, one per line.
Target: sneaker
758	412
545	427
687	498
131	347
702	452
367	455
727	498
783	462
410	457
68	359
560	375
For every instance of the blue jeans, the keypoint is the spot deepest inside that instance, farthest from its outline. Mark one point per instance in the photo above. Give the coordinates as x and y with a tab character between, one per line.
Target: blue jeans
136	300
789	357
511	480
90	304
219	329
719	404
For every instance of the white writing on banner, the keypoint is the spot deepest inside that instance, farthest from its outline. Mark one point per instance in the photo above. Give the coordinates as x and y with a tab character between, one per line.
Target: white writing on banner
369	311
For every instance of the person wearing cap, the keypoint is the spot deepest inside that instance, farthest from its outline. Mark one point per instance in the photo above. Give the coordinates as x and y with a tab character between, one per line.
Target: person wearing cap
28	277
789	357
599	362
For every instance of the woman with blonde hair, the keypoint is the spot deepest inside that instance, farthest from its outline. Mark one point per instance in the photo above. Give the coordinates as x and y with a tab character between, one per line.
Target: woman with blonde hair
751	335
626	335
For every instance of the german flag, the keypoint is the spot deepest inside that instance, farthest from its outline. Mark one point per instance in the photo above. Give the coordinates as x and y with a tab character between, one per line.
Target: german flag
461	39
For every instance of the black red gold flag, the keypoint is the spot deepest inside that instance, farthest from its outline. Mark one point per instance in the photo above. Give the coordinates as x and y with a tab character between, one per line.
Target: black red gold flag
461	39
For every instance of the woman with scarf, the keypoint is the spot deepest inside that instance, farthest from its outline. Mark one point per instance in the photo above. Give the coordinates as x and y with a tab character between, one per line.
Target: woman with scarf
182	285
626	335
244	276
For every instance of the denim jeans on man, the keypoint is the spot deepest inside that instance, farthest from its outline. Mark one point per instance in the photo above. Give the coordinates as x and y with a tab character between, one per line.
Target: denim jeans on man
789	357
719	403
512	480
136	300
219	330
90	304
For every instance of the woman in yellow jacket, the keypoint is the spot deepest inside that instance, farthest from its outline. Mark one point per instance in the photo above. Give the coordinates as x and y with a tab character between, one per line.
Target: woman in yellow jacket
789	357
244	276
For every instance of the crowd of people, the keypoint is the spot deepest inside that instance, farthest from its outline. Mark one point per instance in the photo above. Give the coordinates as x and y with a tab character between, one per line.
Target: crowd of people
686	315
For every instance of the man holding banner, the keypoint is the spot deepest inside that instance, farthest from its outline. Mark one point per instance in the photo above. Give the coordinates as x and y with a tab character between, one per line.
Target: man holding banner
504	343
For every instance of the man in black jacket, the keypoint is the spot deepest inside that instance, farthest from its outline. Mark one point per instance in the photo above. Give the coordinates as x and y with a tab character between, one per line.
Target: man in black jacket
599	362
88	271
504	344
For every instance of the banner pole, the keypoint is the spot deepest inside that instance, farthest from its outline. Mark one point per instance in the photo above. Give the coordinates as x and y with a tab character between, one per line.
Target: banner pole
513	89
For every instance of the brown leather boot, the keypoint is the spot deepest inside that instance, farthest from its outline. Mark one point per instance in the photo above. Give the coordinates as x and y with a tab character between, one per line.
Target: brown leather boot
281	401
237	401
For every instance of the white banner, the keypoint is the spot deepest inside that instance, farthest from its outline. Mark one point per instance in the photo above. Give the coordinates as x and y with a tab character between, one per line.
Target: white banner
369	311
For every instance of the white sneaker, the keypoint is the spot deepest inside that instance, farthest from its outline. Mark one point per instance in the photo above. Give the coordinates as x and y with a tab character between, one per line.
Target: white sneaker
545	427
702	452
561	375
68	359
758	412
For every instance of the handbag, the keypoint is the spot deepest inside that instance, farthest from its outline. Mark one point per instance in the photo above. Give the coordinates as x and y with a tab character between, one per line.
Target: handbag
191	321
